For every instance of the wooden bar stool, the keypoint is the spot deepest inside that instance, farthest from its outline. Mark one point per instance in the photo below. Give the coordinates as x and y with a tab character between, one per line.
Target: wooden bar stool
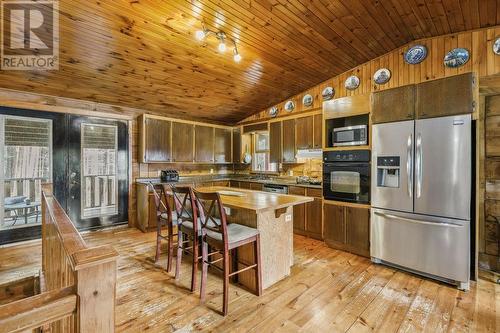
164	218
223	238
188	228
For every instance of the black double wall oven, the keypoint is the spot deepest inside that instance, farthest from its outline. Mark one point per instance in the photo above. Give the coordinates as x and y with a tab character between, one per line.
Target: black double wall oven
346	176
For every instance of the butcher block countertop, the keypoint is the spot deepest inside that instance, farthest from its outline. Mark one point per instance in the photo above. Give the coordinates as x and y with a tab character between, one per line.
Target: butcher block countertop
257	201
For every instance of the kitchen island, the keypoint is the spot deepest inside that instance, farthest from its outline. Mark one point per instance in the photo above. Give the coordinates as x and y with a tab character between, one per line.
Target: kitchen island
272	215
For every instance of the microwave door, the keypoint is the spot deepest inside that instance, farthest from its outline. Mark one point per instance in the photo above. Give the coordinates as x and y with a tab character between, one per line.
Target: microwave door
392	166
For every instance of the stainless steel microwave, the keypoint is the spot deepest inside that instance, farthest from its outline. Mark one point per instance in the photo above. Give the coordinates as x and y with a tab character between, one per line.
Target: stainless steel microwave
350	136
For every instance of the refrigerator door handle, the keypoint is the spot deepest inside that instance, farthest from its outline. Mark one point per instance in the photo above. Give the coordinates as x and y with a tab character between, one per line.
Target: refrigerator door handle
437	224
418	165
409	164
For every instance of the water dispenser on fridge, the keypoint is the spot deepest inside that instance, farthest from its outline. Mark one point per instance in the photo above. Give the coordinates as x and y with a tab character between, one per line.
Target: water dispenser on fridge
388	171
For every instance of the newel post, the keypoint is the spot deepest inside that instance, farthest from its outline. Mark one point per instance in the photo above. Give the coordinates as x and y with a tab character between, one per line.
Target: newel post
95	273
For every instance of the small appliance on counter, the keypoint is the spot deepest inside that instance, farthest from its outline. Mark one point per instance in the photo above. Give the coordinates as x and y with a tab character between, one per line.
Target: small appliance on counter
169	175
346	176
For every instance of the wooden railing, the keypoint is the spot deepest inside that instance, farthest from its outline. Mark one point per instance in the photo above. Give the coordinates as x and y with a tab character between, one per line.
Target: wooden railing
78	281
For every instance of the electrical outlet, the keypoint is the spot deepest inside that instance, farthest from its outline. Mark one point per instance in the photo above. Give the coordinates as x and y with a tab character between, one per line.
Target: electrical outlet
288	217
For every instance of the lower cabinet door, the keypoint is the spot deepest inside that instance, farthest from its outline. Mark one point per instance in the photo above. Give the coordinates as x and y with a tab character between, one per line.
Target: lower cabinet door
358	230
245	185
334	225
299	211
256	186
314	218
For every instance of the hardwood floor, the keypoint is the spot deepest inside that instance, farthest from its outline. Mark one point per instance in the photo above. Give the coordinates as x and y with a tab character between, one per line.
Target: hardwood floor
328	291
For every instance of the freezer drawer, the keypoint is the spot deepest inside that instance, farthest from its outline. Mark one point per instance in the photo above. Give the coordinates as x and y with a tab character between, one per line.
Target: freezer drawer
429	245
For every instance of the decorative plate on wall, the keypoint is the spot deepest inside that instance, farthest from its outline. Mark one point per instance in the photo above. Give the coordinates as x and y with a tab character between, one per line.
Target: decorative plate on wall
273	112
382	76
352	82
289	106
415	54
456	57
496	46
328	93
307	100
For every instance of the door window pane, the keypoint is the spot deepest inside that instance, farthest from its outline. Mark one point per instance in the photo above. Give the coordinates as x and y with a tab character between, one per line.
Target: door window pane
27	164
99	169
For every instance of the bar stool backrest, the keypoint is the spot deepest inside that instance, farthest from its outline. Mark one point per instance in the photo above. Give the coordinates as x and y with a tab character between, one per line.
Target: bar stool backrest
185	205
212	214
161	202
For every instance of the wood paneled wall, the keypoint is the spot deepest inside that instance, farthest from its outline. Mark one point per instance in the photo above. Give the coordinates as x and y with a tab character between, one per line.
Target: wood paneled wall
482	61
489	252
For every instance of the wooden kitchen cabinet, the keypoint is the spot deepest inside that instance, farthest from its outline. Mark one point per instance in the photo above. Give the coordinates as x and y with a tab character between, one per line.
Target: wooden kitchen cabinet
305	132
155	137
224	183
245	185
347	227
236	145
204	144
288	153
299	211
275	142
182	142
308	218
358	230
234	183
445	97
318	131
396	104
222	151
335	232
314	213
256	186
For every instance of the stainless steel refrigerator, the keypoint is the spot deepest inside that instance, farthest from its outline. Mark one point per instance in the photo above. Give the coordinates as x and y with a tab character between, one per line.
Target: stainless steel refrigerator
421	197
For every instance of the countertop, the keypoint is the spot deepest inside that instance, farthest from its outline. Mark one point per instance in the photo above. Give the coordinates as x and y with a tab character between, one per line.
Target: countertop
288	181
257	201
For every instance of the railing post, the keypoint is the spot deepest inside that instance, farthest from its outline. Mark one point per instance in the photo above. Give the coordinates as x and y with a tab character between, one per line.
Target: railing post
95	271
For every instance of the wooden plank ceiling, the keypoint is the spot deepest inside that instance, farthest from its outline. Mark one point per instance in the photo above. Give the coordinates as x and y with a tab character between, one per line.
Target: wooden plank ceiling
143	54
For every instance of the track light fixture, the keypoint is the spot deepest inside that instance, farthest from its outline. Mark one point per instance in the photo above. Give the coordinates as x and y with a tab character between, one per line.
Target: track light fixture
221	37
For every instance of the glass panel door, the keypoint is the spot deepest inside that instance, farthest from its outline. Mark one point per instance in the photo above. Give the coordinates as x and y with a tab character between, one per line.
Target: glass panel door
99	153
97	172
26	163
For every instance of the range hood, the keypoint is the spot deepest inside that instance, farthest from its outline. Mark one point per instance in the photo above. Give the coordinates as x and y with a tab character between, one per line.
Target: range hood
309	153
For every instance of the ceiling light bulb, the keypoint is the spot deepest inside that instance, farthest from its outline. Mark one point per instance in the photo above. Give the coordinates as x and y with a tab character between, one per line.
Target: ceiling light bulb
200	35
222	47
237	57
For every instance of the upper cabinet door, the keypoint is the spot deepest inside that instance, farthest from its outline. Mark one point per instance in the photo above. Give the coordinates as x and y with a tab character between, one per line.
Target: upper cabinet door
396	104
275	142
318	131
304	127
204	144
236	145
453	95
182	142
157	138
223	145
288	141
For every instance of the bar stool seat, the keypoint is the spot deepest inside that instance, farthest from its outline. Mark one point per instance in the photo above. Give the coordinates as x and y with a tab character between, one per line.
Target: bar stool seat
235	234
187	226
165	217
